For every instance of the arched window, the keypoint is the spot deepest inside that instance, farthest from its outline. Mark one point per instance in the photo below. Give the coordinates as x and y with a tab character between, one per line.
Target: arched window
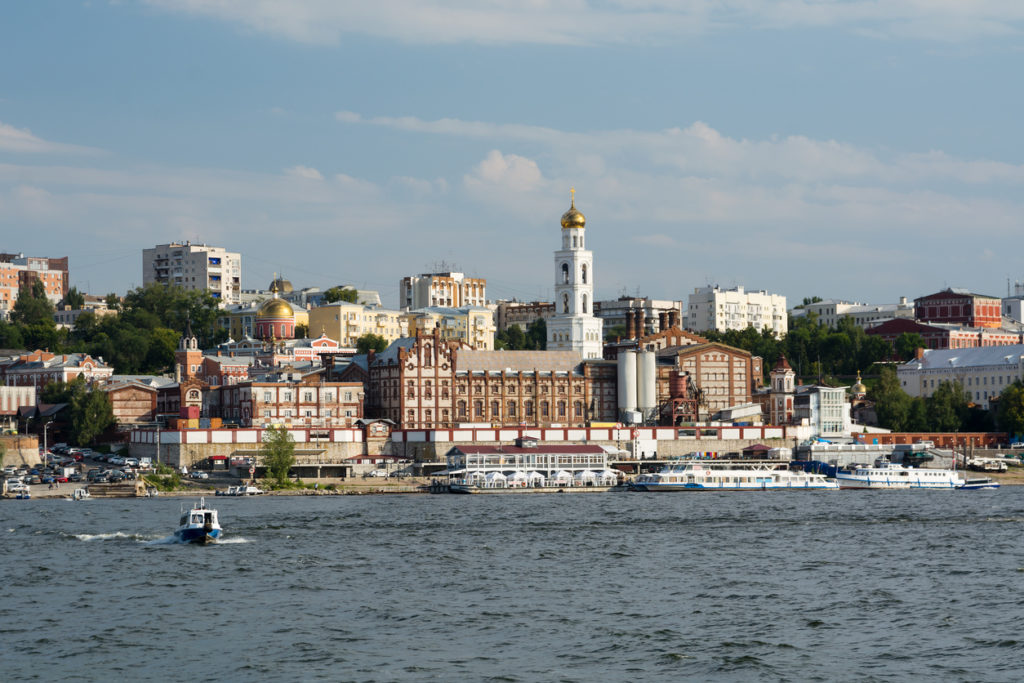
577	409
410	415
511	412
561	409
565	303
428	416
428	356
584	303
444	416
543	408
478	408
574	241
528	407
565	273
495	409
583	273
461	407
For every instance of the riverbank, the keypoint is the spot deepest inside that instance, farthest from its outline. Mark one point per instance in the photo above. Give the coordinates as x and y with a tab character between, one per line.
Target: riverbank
374	486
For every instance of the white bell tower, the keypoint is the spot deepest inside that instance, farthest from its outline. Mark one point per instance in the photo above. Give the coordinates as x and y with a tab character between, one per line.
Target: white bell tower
574	327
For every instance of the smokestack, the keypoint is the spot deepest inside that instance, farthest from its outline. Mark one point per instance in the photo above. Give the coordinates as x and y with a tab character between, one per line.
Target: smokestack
629	324
673	318
640	322
662	321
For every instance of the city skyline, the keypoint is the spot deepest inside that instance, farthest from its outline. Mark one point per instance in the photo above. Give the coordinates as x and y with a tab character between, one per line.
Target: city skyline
844	150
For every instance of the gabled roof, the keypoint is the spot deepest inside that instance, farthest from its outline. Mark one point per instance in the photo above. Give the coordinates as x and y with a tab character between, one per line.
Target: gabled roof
935	359
954	291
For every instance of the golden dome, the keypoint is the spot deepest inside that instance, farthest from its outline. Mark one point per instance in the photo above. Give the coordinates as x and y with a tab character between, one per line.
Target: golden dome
276	308
573	218
281	285
859	387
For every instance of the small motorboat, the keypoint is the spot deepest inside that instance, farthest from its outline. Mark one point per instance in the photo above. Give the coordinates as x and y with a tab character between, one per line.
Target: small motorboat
198	525
979	483
81	494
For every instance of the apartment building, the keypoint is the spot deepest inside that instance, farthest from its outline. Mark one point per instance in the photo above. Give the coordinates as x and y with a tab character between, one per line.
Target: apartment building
195	267
469	324
831	311
450	289
18	272
345	322
712	308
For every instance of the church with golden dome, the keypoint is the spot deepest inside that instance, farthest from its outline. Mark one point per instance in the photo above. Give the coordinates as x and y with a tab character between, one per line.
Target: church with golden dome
574	326
275	318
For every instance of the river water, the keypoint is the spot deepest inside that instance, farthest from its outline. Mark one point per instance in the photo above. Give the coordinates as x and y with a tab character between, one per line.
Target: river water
798	586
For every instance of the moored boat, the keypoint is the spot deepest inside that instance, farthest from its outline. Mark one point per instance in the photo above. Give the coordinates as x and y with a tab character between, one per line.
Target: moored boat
884	475
729	475
198	525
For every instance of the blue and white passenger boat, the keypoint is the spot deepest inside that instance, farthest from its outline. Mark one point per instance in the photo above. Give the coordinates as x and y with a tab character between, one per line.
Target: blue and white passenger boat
198	525
730	475
889	475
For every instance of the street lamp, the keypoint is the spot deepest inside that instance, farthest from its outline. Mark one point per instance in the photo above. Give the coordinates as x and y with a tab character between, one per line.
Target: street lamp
45	427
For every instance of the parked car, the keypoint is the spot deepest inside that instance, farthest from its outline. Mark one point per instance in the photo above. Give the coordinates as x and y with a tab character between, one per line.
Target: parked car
16	487
377	473
76	477
35	479
196	474
48	479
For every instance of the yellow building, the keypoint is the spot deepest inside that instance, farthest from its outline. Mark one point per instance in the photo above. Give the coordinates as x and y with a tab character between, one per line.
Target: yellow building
347	322
472	325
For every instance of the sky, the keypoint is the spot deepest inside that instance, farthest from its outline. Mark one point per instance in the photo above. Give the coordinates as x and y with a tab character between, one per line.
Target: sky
848	149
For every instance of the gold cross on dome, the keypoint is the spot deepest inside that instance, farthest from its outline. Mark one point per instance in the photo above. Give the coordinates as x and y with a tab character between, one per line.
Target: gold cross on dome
572	192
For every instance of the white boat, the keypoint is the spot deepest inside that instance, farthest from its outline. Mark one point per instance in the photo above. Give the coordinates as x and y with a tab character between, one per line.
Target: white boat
888	475
730	475
240	491
80	494
979	483
198	525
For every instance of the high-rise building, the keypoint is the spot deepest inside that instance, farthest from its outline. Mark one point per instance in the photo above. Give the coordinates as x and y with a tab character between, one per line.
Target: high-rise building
449	289
574	327
711	308
18	272
195	267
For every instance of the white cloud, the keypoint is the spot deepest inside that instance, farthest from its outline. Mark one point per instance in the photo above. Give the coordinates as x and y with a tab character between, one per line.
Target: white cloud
504	171
304	172
22	140
579	22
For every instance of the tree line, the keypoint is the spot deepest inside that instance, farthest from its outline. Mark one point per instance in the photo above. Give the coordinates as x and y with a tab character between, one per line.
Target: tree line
140	337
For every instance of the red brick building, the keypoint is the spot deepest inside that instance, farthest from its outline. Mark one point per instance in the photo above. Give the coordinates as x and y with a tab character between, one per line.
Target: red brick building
428	383
941	336
959	307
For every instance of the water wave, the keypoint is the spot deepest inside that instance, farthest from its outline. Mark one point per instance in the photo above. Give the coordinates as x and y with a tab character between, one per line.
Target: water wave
117	535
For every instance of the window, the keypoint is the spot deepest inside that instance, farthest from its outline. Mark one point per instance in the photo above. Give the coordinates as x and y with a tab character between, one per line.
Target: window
410	416
461	408
511	412
327	413
561	409
495	409
543	408
577	409
428	416
565	303
307	396
565	273
528	408
584	303
266	413
478	408
287	396
309	413
583	273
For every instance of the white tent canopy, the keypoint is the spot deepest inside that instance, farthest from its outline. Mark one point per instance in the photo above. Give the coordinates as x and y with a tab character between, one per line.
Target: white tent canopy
518	475
561	475
535	476
586	475
495	476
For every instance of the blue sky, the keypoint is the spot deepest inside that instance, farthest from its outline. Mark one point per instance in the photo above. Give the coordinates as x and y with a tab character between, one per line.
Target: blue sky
849	149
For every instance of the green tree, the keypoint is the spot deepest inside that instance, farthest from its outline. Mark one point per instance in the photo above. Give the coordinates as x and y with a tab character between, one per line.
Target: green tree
346	293
371	341
74	299
1010	409
614	332
511	339
908	343
32	306
278	453
537	335
892	405
947	407
91	415
301	331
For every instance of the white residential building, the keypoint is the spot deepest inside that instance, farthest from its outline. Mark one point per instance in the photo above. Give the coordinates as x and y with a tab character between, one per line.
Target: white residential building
195	267
449	289
831	311
574	327
984	371
711	308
